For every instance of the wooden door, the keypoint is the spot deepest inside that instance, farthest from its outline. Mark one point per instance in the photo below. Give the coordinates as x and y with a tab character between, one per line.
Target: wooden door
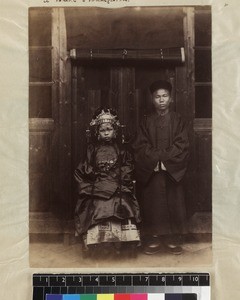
123	87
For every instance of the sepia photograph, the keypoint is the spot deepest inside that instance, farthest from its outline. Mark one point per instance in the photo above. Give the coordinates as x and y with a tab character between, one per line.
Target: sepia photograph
120	136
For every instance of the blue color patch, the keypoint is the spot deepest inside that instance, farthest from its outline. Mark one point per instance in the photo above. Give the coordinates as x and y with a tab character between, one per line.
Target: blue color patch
54	297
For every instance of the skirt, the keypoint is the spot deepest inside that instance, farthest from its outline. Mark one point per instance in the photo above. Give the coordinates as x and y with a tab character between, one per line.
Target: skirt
112	231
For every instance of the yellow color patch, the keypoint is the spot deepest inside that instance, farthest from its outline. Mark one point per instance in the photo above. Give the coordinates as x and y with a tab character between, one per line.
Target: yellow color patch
105	297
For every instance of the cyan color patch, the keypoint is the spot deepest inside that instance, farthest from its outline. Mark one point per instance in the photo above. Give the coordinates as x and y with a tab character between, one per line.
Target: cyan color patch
71	297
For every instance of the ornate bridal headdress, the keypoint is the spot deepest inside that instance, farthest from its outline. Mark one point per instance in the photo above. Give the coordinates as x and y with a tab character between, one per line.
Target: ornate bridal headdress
105	116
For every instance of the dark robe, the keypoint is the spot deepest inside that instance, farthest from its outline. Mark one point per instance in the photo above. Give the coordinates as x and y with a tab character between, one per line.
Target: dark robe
105	187
162	139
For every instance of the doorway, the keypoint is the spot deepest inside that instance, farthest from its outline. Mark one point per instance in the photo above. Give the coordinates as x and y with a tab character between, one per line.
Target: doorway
119	85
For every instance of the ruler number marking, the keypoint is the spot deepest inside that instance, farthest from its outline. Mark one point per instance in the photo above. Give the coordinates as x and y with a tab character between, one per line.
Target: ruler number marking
195	278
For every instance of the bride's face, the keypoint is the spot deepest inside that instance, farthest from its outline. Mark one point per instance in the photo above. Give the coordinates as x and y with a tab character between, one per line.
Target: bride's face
106	132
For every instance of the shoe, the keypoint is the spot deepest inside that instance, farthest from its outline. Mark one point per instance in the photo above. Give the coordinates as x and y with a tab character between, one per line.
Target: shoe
152	246
152	250
173	249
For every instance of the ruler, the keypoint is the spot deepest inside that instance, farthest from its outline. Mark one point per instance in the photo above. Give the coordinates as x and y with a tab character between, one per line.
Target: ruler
192	286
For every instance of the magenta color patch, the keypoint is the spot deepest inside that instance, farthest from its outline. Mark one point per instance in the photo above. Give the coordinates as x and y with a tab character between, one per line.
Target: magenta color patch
138	297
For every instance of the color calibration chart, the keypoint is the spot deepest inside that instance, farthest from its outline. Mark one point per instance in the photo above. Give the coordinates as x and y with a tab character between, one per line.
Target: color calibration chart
144	286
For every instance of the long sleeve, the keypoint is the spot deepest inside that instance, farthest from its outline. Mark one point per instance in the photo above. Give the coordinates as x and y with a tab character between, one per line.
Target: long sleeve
147	155
84	174
127	168
99	173
178	153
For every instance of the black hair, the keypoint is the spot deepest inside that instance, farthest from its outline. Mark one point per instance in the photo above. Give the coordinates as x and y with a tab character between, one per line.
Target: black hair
160	84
